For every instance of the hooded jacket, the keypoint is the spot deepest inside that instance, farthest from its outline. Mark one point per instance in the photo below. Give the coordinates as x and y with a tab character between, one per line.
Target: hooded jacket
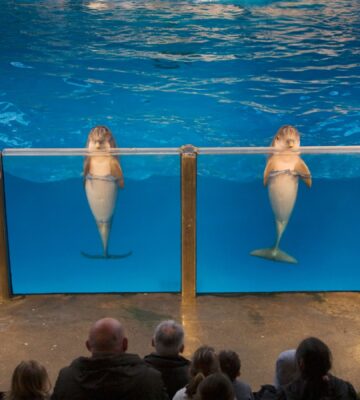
113	377
174	371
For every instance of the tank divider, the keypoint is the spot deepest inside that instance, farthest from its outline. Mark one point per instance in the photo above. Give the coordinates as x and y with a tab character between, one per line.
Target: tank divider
188	223
5	292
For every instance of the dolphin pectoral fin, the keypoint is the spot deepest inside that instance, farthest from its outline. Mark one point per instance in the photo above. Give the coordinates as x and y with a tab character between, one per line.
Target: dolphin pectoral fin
302	169
106	257
116	171
274	254
268	169
86	168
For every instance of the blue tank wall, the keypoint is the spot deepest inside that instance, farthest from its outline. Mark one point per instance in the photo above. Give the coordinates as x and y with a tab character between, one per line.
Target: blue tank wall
50	224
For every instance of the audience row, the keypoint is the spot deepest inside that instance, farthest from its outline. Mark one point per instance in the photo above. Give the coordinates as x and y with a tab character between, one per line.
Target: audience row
111	373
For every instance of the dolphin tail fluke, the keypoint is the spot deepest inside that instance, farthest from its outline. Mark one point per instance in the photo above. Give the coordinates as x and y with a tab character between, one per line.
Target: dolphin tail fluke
104	231
274	254
107	257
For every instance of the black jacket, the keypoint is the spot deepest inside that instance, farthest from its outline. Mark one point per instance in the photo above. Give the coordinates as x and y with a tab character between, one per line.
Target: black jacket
337	389
267	392
174	371
113	377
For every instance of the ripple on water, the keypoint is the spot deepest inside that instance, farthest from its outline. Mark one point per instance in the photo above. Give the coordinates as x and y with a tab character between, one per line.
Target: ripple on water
10	114
161	73
77	82
18	64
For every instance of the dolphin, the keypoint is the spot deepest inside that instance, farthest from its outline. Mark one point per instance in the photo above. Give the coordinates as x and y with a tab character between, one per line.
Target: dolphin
282	173
102	178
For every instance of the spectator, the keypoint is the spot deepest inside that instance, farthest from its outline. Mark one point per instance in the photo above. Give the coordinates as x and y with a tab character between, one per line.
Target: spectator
216	386
29	381
203	363
168	341
110	373
286	369
230	365
314	360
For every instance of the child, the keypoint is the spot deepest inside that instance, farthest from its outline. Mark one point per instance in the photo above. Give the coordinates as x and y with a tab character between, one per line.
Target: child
230	365
216	386
203	363
29	381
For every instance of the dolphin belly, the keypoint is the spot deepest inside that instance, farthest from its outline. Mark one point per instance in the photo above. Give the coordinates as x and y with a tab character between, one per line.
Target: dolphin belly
101	192
283	192
283	186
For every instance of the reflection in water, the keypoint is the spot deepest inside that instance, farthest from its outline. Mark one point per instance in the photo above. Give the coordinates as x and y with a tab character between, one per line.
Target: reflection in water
100	5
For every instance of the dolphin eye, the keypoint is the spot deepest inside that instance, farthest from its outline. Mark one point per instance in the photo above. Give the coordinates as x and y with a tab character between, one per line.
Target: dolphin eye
277	137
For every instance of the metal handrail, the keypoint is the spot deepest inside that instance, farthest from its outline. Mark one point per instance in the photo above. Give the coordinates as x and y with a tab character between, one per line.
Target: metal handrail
177	150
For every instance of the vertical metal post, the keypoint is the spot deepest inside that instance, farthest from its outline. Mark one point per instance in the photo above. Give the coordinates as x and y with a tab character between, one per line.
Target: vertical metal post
188	222
4	270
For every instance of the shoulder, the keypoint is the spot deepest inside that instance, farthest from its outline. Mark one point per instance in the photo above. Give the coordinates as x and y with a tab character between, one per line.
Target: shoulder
241	384
184	360
342	388
267	392
291	391
143	367
151	358
180	394
242	389
166	362
75	364
67	374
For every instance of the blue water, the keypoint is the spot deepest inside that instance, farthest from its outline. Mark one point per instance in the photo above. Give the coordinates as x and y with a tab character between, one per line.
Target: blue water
162	74
235	218
50	225
167	73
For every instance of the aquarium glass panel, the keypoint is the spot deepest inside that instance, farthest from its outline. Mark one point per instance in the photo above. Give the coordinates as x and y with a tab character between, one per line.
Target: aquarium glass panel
54	240
235	218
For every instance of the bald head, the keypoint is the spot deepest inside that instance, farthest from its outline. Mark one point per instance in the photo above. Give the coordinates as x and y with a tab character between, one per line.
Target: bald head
107	336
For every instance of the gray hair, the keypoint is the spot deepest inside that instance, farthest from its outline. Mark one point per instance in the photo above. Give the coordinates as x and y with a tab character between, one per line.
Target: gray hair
168	338
286	368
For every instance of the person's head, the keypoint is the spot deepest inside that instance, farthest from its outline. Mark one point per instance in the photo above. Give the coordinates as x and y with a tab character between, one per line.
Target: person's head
107	336
216	386
286	368
230	364
29	380
168	338
314	359
203	363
